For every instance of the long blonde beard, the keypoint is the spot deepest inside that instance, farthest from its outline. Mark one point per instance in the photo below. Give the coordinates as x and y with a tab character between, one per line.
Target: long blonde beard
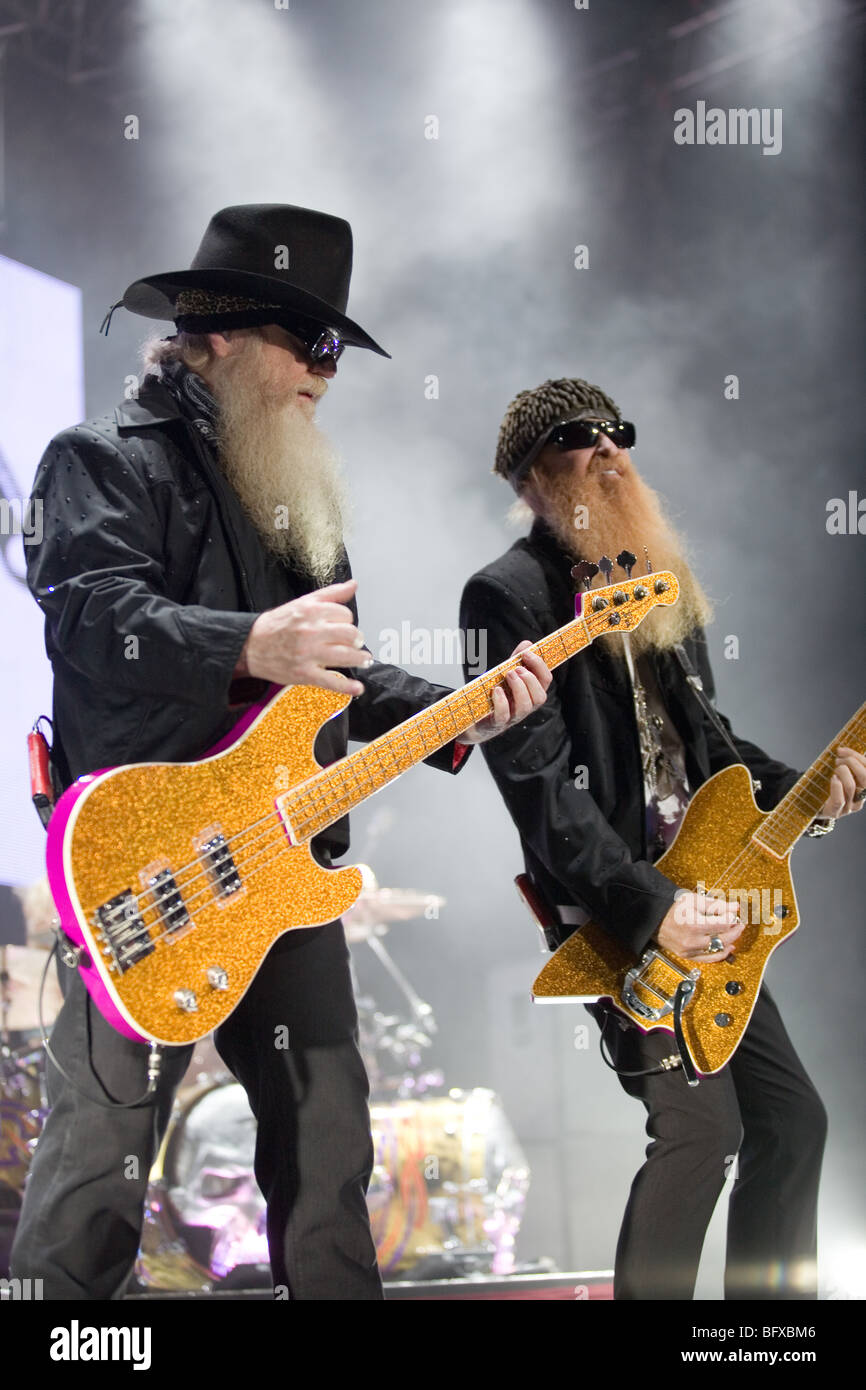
283	468
623	514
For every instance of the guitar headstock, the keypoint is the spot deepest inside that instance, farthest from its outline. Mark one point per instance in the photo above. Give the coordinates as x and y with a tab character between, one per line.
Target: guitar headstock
621	607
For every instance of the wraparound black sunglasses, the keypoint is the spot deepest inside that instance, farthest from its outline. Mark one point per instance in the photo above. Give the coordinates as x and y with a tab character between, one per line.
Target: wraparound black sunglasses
583	434
579	434
319	343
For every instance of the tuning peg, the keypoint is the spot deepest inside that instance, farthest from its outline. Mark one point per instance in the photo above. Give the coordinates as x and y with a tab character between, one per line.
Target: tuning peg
605	564
584	572
649	568
626	561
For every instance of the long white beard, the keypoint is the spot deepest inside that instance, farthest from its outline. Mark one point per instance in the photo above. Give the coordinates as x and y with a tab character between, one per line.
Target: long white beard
283	468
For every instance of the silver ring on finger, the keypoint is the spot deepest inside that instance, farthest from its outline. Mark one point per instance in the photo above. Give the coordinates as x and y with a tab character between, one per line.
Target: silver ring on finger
716	944
860	795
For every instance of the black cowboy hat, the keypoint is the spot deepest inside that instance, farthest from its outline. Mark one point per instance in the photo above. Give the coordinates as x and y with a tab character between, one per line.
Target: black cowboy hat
242	255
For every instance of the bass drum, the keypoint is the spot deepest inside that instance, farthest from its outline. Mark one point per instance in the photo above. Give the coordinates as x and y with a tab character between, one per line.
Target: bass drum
204	1218
23	1107
457	1186
446	1195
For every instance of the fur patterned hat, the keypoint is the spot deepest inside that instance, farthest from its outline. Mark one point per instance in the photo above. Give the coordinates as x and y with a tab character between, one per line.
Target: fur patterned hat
531	416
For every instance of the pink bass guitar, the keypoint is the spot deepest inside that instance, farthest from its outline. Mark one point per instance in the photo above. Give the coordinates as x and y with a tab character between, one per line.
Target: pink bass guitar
175	879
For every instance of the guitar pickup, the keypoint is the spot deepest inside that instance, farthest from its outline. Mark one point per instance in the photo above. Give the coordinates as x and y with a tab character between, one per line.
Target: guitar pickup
165	897
219	865
119	927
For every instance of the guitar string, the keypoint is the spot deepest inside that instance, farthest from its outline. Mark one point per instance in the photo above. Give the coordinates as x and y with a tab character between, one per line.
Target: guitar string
749	851
753	848
141	928
280	847
326	778
127	941
338	795
786	814
305	832
124	941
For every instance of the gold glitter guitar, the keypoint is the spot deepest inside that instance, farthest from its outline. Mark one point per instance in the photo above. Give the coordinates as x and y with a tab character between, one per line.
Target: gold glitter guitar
726	846
175	879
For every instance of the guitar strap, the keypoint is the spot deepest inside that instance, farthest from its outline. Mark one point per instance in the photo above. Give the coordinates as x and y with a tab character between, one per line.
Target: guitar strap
696	686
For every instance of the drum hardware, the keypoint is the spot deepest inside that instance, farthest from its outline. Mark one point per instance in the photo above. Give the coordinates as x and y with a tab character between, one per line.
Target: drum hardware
446	1197
393	1045
449	1180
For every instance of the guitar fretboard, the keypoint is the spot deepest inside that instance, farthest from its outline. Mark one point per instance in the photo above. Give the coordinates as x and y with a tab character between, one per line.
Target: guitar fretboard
326	796
331	793
799	807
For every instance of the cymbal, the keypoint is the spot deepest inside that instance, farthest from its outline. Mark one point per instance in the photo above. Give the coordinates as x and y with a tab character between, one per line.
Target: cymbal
19	991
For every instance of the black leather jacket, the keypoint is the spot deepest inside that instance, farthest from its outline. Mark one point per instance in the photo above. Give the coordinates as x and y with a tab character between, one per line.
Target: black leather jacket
150	576
587	846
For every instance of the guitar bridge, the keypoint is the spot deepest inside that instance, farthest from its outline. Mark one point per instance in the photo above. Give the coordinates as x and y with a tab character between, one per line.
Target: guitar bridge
658	976
119	927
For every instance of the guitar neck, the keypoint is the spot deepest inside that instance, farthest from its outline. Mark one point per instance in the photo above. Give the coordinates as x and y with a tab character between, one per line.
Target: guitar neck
336	790
785	824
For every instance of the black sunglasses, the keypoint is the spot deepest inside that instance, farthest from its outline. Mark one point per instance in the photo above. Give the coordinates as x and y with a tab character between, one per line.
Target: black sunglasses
584	434
318	343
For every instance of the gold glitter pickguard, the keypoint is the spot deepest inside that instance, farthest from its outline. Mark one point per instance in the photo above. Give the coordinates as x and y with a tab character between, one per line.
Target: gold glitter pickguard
717	828
140	815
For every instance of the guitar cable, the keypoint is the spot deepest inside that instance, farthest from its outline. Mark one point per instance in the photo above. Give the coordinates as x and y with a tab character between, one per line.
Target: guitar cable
696	685
681	1058
154	1061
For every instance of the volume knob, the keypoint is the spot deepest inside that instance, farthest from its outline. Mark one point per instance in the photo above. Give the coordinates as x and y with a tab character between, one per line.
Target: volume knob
186	1000
217	977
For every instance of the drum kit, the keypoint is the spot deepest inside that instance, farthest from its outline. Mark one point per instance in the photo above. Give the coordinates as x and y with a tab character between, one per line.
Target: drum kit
449	1182
23	1101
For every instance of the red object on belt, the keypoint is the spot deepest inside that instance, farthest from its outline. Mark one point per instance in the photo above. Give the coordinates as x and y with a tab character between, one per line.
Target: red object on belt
41	785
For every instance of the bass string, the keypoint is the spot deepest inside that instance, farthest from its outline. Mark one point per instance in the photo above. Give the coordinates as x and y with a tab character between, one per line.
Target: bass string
324	779
785	815
306	828
321	796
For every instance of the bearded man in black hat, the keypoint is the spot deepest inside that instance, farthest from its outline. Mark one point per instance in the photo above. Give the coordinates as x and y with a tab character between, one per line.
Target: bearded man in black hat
597	783
192	555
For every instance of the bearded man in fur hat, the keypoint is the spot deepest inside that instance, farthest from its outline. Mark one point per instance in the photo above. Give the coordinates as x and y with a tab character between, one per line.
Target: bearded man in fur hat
597	783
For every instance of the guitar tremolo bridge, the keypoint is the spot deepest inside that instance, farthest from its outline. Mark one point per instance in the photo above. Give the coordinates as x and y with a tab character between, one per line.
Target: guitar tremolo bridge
639	977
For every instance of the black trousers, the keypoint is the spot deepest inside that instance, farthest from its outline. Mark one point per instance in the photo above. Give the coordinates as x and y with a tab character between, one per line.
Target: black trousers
292	1043
759	1122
